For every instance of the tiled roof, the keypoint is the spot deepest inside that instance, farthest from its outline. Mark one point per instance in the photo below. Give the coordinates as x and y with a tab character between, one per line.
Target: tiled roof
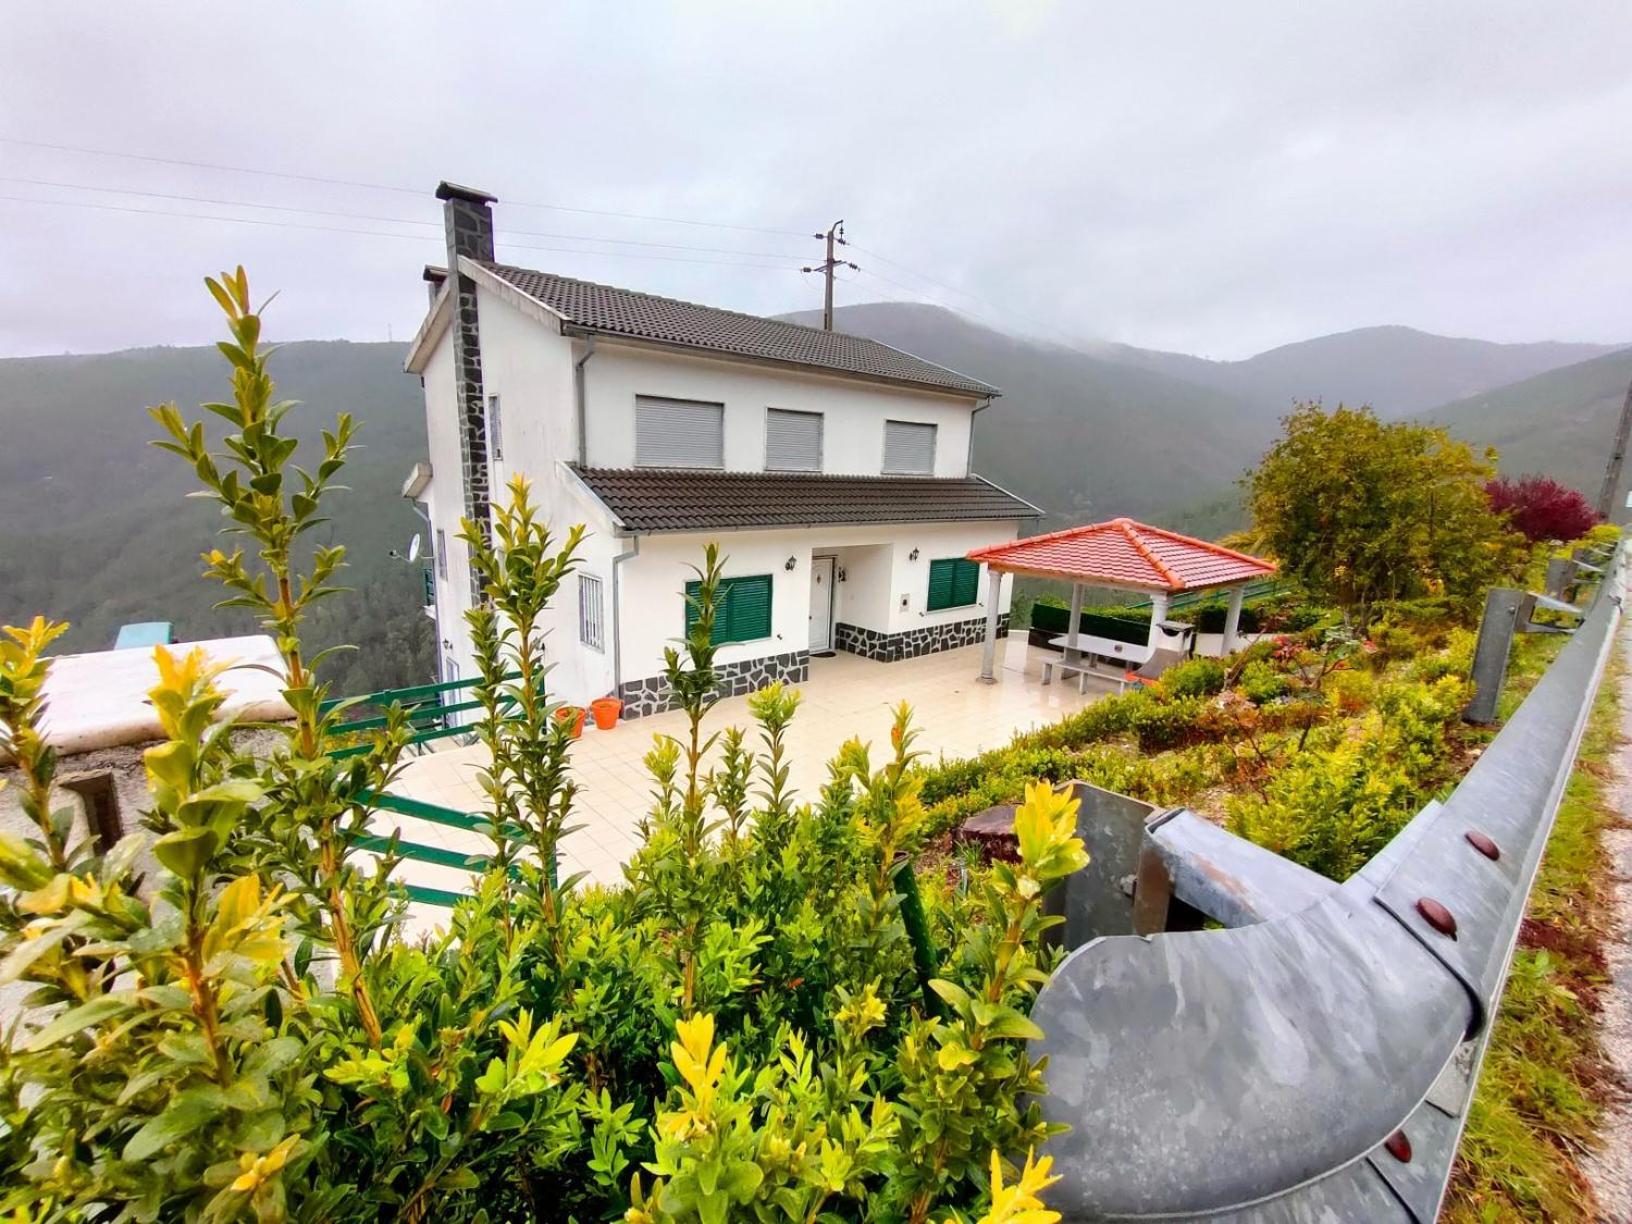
670	499
642	316
1125	553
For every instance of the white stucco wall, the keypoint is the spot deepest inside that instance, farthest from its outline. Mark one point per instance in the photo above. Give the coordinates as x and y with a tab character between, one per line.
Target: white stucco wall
444	500
879	580
529	365
853	413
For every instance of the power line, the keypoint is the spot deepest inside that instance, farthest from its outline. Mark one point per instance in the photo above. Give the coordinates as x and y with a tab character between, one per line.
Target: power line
834	235
355	216
393	187
368	233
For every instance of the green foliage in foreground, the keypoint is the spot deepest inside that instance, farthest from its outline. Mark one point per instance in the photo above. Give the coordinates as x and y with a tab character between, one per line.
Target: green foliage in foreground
1542	1091
744	1031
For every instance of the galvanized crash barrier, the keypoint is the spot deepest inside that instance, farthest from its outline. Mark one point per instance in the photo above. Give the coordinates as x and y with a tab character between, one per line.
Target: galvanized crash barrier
1314	1058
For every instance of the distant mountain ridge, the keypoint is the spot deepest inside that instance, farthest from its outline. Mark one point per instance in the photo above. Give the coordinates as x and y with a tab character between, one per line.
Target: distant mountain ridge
1397	370
95	526
1561	423
1143	432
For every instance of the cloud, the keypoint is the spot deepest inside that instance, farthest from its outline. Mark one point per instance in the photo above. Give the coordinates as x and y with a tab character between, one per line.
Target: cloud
1215	179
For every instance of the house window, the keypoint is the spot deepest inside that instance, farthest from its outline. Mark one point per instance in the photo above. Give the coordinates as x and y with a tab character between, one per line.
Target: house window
742	609
953	583
441	554
909	448
793	441
495	429
679	433
590	619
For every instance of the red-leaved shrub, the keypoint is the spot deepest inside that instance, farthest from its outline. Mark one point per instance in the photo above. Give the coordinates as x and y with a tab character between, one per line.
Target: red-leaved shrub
1541	508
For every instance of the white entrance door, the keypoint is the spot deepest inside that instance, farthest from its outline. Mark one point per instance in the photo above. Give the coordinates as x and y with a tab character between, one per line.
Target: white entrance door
821	604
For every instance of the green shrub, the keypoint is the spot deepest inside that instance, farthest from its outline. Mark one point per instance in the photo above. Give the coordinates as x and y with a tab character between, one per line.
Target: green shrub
1160	725
754	1027
1105	719
1197	677
1260	682
1334	806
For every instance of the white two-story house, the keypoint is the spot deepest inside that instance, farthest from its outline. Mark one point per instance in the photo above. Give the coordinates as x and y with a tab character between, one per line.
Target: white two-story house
832	470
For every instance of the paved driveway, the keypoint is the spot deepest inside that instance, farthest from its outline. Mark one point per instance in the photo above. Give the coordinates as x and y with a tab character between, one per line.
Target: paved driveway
845	696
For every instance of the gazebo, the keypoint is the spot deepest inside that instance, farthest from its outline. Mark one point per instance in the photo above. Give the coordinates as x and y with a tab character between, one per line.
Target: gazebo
1126	556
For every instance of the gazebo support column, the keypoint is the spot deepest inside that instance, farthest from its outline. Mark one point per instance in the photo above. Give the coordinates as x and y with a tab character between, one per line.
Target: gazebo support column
1076	616
988	650
1232	620
1158	614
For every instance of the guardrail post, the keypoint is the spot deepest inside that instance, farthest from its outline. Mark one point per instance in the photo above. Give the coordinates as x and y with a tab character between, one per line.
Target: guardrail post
1559	572
1496	631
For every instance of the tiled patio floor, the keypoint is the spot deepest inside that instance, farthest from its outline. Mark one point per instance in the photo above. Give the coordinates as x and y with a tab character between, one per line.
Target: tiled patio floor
845	696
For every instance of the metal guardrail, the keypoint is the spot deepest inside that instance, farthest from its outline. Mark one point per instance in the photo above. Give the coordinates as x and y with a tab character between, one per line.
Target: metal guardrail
1314	1063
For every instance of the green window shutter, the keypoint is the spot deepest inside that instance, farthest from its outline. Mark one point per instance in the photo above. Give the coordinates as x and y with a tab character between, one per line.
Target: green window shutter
953	583
743	609
750	604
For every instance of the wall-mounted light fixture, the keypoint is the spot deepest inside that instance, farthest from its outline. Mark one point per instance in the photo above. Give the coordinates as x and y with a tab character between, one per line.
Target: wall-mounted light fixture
913	555
790	563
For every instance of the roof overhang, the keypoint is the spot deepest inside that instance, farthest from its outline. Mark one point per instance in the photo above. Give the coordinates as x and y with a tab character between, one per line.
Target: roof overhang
662	501
430	331
503	289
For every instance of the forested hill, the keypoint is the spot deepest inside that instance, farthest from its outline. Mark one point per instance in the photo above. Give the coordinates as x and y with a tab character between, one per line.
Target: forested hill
96	528
1561	423
1098	430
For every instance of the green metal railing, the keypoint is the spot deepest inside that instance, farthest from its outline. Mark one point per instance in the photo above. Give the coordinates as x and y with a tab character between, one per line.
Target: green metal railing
429	718
419	852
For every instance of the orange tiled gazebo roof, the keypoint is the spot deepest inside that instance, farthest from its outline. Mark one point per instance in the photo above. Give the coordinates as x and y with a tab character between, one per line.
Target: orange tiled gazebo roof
1123	553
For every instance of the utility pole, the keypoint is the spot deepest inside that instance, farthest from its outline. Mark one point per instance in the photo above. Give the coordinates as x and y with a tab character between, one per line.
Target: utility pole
834	235
1612	474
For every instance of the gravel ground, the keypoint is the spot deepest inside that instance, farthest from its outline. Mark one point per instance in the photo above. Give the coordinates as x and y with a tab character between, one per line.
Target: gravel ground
1610	1169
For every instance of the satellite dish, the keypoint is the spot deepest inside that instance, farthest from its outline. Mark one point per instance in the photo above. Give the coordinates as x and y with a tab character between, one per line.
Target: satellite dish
413	549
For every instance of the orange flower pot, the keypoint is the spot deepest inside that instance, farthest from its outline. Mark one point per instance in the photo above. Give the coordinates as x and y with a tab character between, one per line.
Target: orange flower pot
573	715
606	711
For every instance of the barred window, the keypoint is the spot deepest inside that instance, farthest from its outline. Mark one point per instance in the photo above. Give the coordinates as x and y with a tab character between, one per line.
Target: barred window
495	429
591	619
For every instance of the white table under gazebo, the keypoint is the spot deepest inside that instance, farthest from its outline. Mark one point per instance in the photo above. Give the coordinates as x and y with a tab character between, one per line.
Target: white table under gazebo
1120	555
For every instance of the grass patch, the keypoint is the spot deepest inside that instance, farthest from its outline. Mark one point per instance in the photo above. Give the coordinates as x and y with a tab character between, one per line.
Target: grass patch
1542	1091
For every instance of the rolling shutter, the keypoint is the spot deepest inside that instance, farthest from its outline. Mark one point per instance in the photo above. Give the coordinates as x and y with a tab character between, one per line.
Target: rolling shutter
909	448
679	433
793	441
743	609
954	582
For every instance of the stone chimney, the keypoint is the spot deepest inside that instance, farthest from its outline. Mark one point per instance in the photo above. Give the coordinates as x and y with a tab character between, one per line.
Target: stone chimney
468	221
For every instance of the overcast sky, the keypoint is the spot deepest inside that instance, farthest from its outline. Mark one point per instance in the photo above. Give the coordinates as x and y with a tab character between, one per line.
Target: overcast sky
1212	178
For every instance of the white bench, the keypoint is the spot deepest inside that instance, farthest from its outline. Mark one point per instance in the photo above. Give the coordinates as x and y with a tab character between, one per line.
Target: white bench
1079	659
